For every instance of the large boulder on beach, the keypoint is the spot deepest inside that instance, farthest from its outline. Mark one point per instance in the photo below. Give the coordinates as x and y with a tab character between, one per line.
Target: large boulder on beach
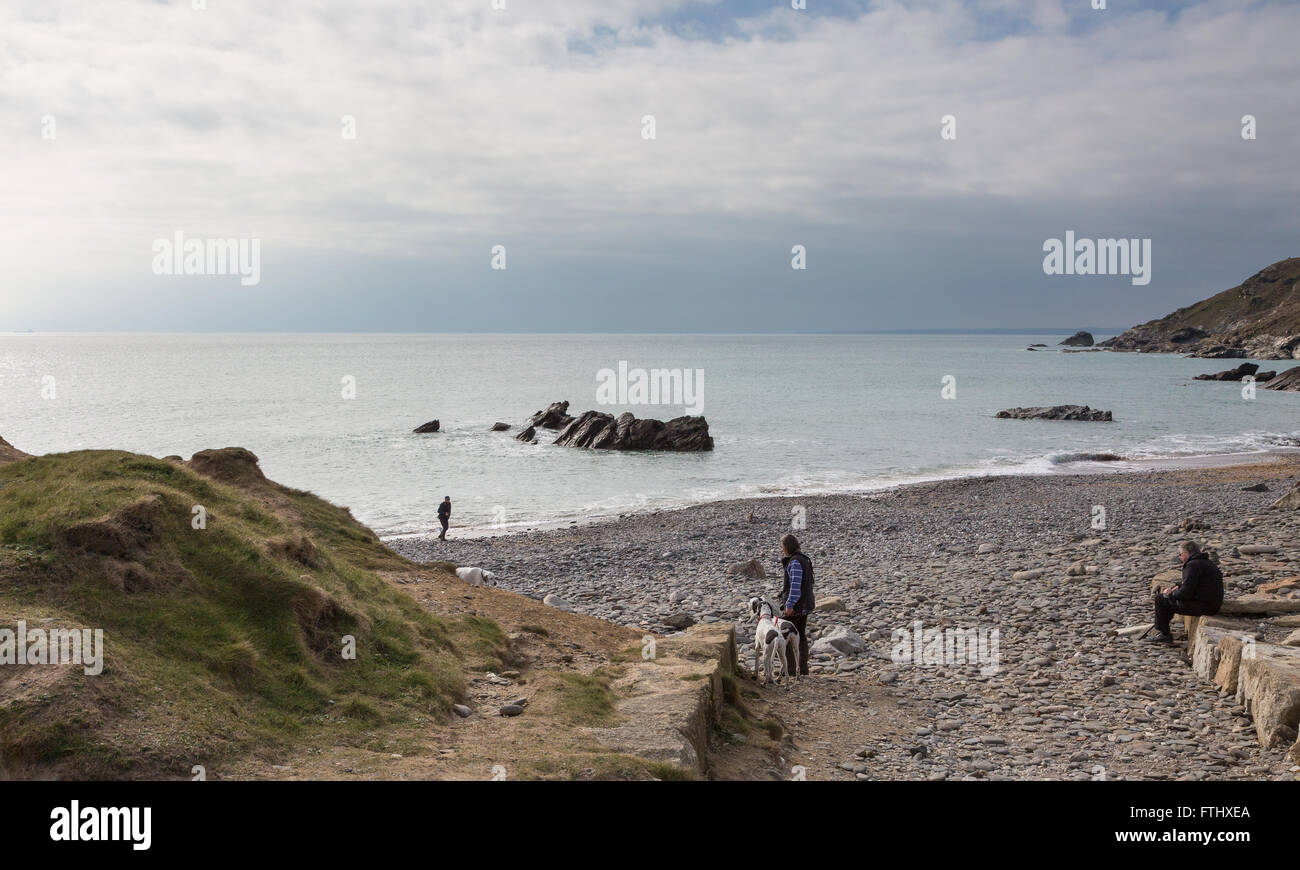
554	416
1079	339
1241	371
680	621
839	641
600	431
431	426
1056	412
751	570
1290	501
1288	381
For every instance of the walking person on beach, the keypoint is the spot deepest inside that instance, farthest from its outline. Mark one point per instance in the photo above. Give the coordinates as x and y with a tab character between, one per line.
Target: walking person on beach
1200	593
797	598
444	516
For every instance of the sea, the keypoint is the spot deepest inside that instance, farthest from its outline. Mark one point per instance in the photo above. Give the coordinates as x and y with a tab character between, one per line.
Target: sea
789	414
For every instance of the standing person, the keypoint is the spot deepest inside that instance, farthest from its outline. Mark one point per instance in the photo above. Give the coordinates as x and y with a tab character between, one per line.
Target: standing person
797	598
1200	593
444	516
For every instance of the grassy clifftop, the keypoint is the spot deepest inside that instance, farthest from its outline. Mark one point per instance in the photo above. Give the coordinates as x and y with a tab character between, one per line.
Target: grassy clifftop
224	601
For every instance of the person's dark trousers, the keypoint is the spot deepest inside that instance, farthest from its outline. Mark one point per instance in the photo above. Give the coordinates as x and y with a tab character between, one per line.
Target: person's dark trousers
800	621
443	535
1166	608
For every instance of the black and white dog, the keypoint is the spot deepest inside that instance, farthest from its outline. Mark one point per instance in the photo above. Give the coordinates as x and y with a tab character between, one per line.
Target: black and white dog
773	636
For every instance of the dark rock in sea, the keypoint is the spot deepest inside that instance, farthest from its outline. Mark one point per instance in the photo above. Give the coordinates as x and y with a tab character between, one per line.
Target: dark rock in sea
1264	377
1038	344
556	416
1031	348
528	436
1288	381
431	426
1079	339
1057	412
602	431
1236	374
500	427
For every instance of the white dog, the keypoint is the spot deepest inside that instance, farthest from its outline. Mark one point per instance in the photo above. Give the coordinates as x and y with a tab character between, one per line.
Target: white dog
772	637
477	576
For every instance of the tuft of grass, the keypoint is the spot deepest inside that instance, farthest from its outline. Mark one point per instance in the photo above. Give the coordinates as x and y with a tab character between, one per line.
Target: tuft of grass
362	711
585	700
480	642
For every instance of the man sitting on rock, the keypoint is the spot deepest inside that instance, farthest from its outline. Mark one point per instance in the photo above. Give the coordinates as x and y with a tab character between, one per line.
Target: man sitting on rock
1200	593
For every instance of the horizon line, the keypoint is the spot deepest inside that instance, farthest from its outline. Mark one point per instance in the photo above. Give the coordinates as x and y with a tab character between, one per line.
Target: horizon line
1053	330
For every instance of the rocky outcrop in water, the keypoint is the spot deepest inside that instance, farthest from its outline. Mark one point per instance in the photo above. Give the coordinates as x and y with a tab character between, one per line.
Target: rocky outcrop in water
1079	339
1259	319
1241	371
601	431
555	416
431	426
1288	381
1057	412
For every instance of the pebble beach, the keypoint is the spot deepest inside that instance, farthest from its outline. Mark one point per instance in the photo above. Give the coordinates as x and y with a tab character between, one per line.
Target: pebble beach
1031	557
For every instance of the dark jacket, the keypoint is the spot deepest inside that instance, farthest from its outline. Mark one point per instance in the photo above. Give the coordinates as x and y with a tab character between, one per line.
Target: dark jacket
1202	582
444	509
806	602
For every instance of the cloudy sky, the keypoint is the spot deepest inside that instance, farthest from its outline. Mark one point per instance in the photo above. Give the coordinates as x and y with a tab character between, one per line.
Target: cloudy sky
124	121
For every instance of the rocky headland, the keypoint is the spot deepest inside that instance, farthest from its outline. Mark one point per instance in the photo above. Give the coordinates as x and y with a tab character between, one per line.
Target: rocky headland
1257	319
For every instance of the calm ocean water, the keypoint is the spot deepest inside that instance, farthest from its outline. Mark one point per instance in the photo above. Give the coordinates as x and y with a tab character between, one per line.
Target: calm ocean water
789	414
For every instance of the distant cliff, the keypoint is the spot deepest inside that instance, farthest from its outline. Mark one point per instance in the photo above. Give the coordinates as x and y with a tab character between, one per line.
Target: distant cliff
1259	318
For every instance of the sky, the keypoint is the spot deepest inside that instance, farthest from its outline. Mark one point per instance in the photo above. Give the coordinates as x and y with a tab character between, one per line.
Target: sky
380	152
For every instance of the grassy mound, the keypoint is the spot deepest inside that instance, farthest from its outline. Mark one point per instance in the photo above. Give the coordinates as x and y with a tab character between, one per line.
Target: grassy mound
225	601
